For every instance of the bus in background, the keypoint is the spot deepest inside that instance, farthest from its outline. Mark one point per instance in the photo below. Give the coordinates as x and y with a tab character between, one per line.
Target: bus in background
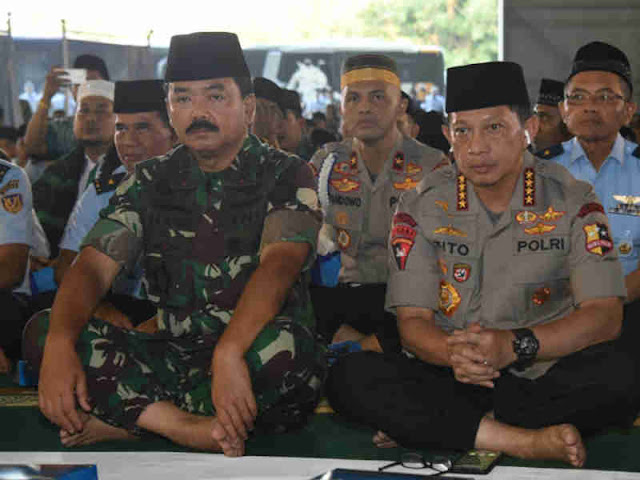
313	69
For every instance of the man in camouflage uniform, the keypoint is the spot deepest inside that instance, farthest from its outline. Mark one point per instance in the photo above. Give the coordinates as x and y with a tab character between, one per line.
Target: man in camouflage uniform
223	225
508	292
359	183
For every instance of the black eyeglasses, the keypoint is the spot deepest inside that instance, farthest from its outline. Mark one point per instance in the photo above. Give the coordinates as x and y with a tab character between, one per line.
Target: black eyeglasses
416	461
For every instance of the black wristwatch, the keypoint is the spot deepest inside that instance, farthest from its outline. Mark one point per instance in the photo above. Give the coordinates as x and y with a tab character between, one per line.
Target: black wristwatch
525	346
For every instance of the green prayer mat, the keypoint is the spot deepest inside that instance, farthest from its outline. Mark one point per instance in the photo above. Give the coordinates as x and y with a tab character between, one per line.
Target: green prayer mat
325	436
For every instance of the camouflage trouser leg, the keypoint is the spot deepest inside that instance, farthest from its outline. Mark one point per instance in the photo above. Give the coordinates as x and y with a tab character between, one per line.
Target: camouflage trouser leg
287	370
127	371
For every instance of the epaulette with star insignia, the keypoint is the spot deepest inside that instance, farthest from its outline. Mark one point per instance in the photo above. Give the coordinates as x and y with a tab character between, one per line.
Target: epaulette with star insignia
108	184
3	171
550	152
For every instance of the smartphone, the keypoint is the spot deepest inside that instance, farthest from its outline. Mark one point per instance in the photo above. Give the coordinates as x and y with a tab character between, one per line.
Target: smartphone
478	462
75	76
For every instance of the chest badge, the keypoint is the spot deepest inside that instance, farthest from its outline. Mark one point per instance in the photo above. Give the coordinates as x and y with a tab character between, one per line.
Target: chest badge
443	266
345	184
598	241
540	229
526	217
344	239
461	272
627	205
449	230
541	295
551	215
449	298
413	169
406	184
353	161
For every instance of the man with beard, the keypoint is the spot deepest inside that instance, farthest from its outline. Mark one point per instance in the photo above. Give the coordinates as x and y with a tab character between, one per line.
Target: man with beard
62	183
552	129
359	182
598	101
224	225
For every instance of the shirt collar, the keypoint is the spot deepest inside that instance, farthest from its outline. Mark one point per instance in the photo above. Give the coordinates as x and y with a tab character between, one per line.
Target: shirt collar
617	152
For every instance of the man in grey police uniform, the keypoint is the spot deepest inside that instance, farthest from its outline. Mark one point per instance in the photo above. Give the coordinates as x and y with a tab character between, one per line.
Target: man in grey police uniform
16	236
359	183
597	103
508	293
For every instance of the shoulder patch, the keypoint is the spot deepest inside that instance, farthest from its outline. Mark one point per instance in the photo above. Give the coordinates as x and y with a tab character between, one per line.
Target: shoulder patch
550	152
108	184
636	152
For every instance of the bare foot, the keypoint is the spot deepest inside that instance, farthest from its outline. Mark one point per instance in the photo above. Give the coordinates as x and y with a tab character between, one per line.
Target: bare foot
558	442
346	333
382	440
5	363
229	448
94	431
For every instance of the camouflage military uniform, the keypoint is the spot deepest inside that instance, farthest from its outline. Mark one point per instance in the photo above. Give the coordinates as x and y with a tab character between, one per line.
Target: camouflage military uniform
199	236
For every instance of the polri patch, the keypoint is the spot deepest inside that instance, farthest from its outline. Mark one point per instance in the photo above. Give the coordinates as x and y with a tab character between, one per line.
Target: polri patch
402	240
597	241
449	298
12	203
461	272
588	208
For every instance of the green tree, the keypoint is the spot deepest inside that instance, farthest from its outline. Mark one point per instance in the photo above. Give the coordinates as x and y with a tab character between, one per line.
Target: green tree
467	30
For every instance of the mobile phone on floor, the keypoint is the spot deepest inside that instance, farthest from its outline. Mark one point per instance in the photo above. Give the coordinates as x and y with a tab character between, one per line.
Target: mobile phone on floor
479	462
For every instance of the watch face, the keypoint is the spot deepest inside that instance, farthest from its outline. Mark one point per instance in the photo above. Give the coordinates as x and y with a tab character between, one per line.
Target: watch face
528	346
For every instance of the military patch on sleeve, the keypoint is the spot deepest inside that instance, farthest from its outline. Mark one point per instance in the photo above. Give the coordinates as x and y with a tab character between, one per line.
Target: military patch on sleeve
597	240
12	203
588	208
403	235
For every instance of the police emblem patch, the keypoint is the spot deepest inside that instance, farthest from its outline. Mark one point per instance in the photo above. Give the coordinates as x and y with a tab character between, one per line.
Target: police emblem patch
406	184
526	217
541	295
402	241
597	239
551	215
588	208
345	184
12	203
398	162
449	298
449	230
343	168
461	272
540	229
344	239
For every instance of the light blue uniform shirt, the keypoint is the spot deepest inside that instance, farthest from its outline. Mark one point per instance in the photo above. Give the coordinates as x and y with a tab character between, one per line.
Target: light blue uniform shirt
617	185
16	217
82	219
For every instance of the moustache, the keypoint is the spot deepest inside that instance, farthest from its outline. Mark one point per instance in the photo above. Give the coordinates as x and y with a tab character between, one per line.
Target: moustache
202	125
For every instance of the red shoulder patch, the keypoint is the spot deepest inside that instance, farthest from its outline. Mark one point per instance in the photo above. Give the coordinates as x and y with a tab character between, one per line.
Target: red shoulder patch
588	208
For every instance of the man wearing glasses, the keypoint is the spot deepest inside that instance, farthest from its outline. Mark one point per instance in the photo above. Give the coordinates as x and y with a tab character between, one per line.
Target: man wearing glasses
508	294
598	101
